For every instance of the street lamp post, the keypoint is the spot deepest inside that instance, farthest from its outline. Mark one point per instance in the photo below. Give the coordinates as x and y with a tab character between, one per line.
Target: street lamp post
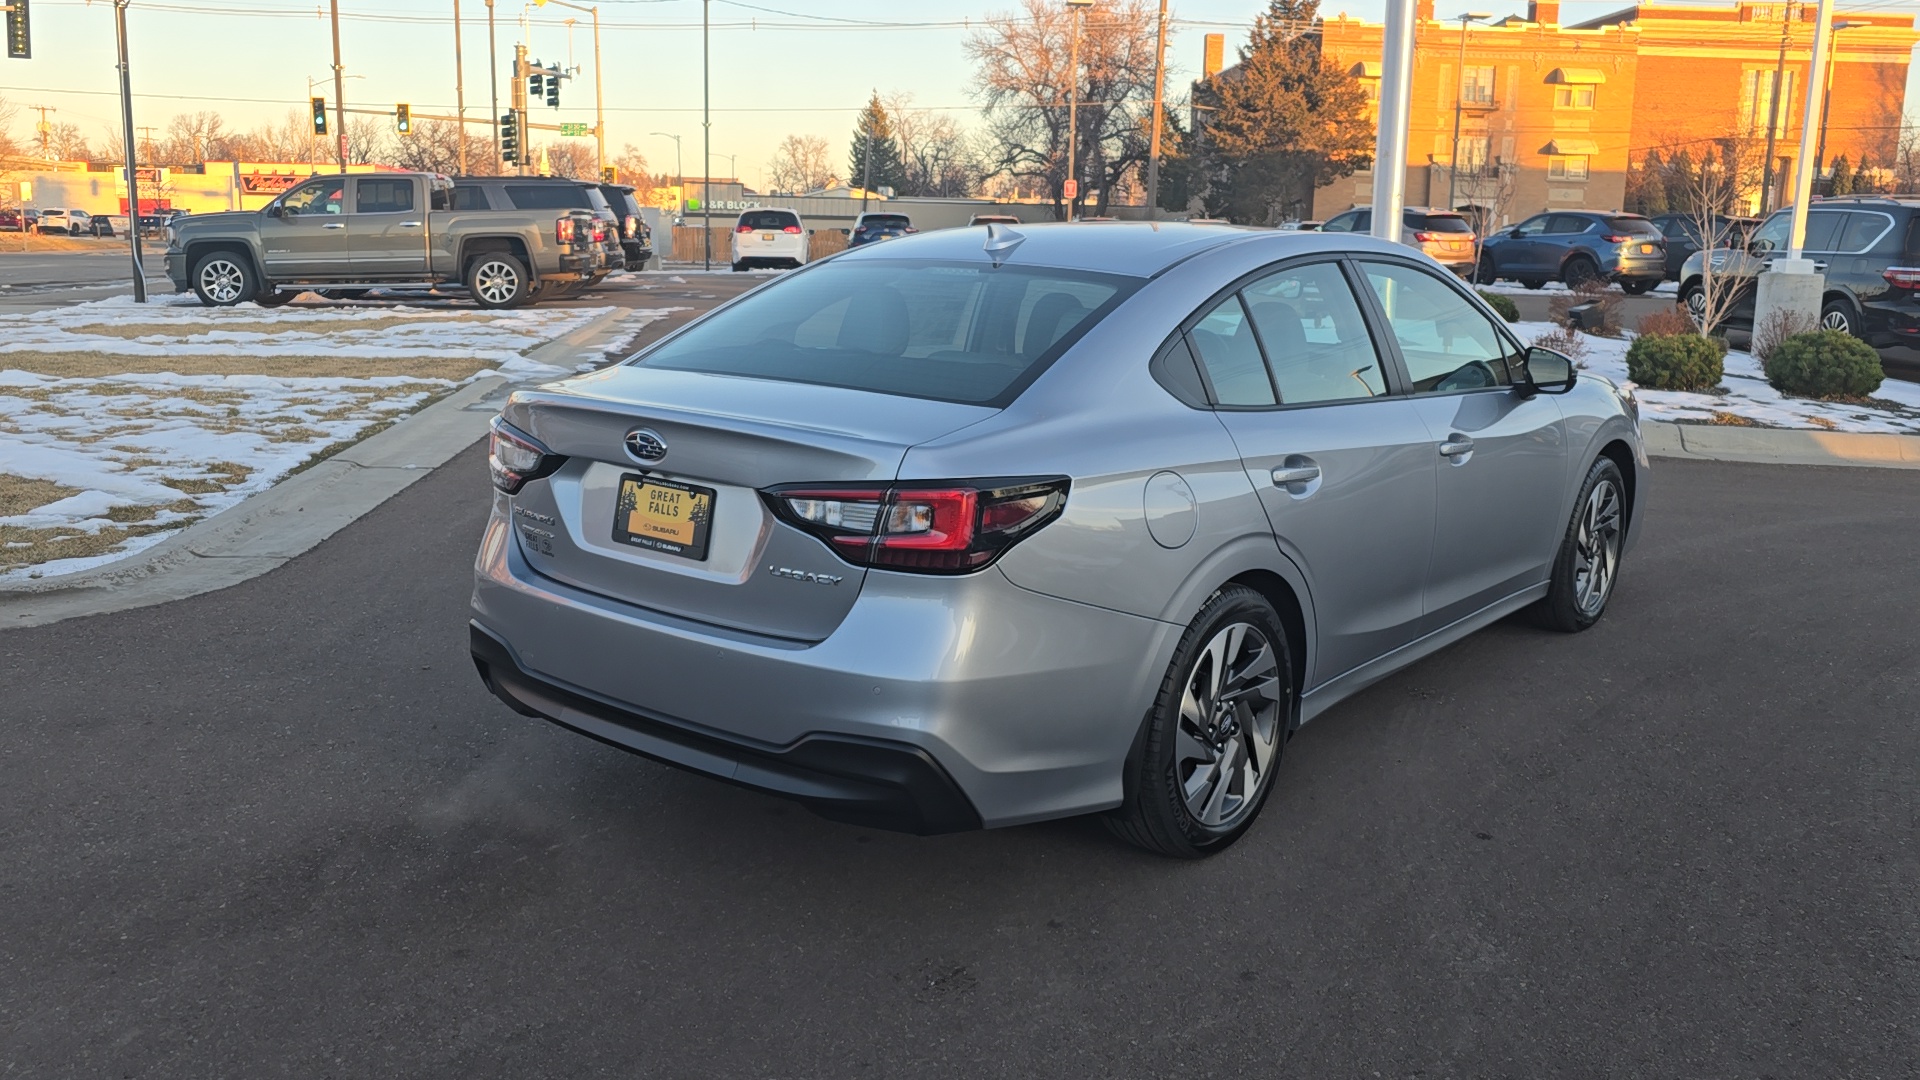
459	87
1153	139
1074	8
679	178
706	131
1826	105
1459	95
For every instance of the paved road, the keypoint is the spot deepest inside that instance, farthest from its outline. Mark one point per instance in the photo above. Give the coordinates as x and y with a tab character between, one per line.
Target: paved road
282	831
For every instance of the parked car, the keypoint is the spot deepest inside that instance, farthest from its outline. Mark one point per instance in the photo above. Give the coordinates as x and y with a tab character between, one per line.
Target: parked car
636	240
1682	233
965	530
875	227
1302	226
768	238
1442	234
1580	248
11	221
992	219
100	225
550	193
1868	248
344	234
56	220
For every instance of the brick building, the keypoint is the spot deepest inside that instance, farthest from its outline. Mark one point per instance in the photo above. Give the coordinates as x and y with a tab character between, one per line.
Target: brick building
1551	115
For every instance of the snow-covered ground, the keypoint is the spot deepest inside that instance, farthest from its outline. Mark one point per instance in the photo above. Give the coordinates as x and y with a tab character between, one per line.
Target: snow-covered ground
136	420
1747	395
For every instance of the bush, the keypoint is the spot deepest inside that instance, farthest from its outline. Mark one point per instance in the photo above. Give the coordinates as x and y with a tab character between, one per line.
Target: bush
1667	323
1824	363
1567	343
1779	325
1675	362
1501	304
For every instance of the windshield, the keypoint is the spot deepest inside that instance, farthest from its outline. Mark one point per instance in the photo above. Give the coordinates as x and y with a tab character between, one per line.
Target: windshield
951	332
1633	226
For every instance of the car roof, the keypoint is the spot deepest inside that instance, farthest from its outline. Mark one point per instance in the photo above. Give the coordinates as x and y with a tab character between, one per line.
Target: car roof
1140	248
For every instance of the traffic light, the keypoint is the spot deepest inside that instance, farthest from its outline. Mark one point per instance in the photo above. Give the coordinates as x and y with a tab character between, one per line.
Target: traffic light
319	115
553	90
536	79
403	118
19	34
510	138
609	175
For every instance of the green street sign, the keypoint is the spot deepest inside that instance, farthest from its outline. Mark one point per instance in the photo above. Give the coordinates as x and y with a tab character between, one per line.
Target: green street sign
576	130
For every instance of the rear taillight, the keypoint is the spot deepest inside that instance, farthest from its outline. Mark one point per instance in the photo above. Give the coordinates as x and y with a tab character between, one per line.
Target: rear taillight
563	231
1425	237
794	229
744	228
515	457
1615	238
633	226
945	528
1902	277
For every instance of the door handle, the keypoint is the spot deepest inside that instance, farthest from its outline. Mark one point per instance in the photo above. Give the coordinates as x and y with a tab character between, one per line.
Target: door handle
1295	474
409	224
334	225
1456	445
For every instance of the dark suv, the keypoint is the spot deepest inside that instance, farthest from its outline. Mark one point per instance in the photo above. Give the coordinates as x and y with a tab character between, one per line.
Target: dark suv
1868	247
635	238
1683	236
1579	247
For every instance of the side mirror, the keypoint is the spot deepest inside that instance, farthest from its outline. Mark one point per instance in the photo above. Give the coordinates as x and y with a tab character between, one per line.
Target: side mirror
1545	372
277	210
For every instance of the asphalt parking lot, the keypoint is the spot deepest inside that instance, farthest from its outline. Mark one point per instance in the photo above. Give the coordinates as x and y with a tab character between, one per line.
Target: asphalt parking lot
281	830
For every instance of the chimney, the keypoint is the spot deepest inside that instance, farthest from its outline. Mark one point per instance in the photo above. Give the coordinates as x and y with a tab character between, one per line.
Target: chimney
1544	11
1423	11
1215	56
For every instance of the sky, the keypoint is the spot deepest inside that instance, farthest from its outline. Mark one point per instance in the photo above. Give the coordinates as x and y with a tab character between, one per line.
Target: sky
778	67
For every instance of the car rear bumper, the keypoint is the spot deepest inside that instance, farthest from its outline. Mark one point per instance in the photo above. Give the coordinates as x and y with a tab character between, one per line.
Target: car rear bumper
1026	704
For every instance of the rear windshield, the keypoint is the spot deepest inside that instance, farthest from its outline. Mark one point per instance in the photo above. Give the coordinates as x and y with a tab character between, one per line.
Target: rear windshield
1443	223
1633	226
623	202
553	197
769	219
951	332
885	221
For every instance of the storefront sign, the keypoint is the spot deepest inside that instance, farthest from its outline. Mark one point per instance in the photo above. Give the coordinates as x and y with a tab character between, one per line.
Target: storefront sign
255	183
693	205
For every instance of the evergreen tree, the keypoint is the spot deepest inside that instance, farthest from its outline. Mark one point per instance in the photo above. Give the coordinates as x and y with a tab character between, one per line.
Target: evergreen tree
875	131
1647	185
1283	121
1842	179
1864	181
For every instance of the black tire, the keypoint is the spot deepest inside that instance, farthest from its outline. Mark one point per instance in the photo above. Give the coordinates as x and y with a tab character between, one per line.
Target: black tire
1839	315
1569	606
73	230
1635	288
1240	725
1580	271
344	294
1534	283
594	281
739	265
224	278
1486	273
497	280
276	299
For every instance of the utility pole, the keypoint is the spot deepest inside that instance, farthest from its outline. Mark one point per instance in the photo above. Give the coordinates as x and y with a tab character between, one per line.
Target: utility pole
1072	186
45	129
1153	140
517	104
706	132
1826	94
147	142
126	136
339	87
459	88
1390	142
1768	189
493	89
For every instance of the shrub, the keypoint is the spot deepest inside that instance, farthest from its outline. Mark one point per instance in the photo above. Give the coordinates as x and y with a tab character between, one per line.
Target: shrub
1602	320
1824	363
1779	325
1567	343
1667	323
1675	362
1503	305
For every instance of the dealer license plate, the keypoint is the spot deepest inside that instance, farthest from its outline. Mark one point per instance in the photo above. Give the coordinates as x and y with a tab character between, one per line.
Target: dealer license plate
661	515
766	236
1646	249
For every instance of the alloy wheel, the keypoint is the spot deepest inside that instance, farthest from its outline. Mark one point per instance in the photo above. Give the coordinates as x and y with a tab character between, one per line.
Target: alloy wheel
496	282
1696	302
1227	741
1836	319
1596	549
222	280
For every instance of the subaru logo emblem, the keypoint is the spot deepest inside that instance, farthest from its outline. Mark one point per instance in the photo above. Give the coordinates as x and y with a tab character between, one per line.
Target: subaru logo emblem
644	445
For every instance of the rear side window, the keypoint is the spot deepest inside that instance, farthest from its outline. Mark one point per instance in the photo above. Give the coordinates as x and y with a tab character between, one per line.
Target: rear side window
951	332
1863	230
549	197
769	219
1315	337
383	196
1633	226
1446	223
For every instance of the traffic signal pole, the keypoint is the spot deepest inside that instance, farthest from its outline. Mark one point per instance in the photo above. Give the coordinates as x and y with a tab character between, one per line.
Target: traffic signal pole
339	88
126	135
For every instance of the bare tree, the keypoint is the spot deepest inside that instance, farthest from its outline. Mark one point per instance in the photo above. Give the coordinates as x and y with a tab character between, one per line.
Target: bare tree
68	144
1024	82
802	163
573	158
1730	171
1492	191
433	147
633	170
192	138
939	156
9	112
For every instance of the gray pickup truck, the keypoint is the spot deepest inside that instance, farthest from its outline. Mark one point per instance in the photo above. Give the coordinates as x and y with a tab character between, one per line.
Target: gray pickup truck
342	235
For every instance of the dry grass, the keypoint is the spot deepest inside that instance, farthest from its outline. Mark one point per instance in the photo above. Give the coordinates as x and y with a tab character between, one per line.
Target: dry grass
224	474
26	547
1727	419
18	494
1821	421
98	365
214	323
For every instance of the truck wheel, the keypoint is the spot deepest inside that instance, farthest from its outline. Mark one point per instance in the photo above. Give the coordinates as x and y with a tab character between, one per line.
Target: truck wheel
498	280
223	279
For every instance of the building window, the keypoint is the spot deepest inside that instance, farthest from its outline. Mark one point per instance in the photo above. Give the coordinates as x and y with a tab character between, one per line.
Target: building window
1474	153
1371	89
1476	85
1567	168
1573	97
1757	101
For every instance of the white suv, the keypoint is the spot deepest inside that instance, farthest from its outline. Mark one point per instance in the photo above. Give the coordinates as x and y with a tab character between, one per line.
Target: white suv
769	238
56	221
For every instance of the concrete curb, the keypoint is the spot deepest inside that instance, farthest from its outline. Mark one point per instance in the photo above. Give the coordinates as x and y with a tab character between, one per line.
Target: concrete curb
1778	446
267	529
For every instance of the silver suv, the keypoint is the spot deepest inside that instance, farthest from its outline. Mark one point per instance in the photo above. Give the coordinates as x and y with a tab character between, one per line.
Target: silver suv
969	529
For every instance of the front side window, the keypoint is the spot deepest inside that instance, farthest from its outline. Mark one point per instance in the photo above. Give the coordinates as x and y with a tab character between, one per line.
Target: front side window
1448	345
1772	236
383	196
1341	223
950	332
1568	225
326	196
1228	351
1315	339
1533	226
1567	167
1573	97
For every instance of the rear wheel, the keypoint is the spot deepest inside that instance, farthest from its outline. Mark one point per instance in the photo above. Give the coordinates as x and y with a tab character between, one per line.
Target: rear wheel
1581	273
223	279
498	280
1212	742
1486	273
1635	288
1588	563
1534	283
1839	315
739	265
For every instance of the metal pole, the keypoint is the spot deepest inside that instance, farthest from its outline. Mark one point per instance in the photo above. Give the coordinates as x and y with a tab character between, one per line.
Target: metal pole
866	163
1816	98
1390	142
706	133
1073	110
1767	187
1459	92
1153	140
126	134
339	87
1826	105
459	87
599	101
493	90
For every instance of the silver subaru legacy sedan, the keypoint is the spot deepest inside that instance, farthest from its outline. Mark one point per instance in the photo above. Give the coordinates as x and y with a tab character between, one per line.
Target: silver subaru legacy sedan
985	526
